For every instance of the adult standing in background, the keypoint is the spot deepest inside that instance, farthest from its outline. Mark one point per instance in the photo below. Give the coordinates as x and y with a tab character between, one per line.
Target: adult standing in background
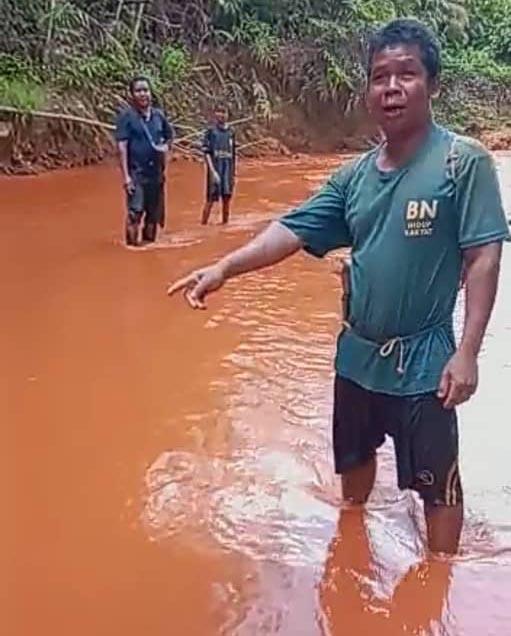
144	137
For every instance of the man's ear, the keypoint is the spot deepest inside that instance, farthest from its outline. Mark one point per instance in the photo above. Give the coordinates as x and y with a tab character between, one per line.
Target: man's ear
434	88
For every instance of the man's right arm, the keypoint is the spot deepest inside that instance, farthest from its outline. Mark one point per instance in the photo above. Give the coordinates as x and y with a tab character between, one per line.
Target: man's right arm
123	161
122	135
318	226
271	246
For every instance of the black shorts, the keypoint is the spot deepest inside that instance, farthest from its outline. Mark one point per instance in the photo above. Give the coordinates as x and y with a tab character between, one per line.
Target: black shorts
425	438
147	198
224	189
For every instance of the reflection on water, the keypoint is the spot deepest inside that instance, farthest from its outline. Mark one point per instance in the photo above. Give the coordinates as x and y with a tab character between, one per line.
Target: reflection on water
351	596
177	466
275	498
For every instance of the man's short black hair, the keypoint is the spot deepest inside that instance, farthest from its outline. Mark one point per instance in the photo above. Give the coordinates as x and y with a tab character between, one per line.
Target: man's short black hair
412	33
138	78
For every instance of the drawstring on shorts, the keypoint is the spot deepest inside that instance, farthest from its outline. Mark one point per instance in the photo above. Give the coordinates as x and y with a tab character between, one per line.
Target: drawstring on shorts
387	350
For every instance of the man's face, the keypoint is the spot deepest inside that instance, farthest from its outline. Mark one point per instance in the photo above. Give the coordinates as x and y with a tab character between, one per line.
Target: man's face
142	94
221	116
399	90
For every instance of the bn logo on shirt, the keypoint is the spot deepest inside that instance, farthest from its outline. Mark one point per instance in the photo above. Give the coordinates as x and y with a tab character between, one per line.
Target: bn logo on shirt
420	216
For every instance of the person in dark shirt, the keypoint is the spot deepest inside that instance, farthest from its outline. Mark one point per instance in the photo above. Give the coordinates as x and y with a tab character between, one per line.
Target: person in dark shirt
219	149
144	137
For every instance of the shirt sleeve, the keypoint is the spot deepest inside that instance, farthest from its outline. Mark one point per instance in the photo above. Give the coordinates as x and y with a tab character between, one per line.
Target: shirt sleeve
479	203
122	127
320	223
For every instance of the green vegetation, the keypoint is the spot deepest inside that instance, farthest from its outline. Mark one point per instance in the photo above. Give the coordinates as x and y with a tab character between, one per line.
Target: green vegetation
258	54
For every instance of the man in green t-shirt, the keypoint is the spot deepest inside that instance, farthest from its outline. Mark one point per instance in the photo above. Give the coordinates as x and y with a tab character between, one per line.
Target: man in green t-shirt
416	211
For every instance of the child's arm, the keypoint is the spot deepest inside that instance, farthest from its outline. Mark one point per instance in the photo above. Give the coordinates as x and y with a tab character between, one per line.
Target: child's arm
122	136
234	154
209	162
207	150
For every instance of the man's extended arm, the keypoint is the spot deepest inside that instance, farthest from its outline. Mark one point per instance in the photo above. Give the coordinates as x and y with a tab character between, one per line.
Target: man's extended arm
318	225
271	246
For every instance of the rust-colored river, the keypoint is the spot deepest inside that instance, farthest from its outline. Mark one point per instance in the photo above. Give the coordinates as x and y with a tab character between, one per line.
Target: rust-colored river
168	472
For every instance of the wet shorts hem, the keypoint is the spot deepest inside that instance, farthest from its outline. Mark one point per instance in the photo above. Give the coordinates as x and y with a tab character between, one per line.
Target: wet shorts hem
350	462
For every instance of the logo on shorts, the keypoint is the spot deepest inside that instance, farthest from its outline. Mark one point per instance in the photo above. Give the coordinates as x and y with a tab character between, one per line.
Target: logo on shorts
426	478
420	217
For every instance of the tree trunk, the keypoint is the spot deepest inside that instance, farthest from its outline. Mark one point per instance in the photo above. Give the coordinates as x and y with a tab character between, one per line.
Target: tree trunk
118	12
138	22
49	32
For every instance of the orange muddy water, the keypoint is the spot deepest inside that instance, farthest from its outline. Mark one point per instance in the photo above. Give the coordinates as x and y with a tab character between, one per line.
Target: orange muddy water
169	473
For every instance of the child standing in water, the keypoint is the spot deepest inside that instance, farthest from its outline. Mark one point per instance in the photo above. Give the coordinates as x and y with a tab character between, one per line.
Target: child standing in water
219	149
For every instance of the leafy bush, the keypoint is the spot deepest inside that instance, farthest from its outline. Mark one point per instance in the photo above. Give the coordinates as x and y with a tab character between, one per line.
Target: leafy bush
301	49
19	83
175	64
490	27
260	40
93	71
23	94
15	66
470	63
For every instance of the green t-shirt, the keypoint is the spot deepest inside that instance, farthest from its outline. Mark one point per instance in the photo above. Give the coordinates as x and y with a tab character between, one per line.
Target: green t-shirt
407	229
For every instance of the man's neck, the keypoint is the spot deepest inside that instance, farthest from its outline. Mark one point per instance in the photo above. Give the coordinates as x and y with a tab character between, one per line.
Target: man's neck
144	112
399	149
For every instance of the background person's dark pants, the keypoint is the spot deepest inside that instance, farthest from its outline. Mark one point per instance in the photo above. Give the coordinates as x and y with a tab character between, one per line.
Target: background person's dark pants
147	203
224	189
